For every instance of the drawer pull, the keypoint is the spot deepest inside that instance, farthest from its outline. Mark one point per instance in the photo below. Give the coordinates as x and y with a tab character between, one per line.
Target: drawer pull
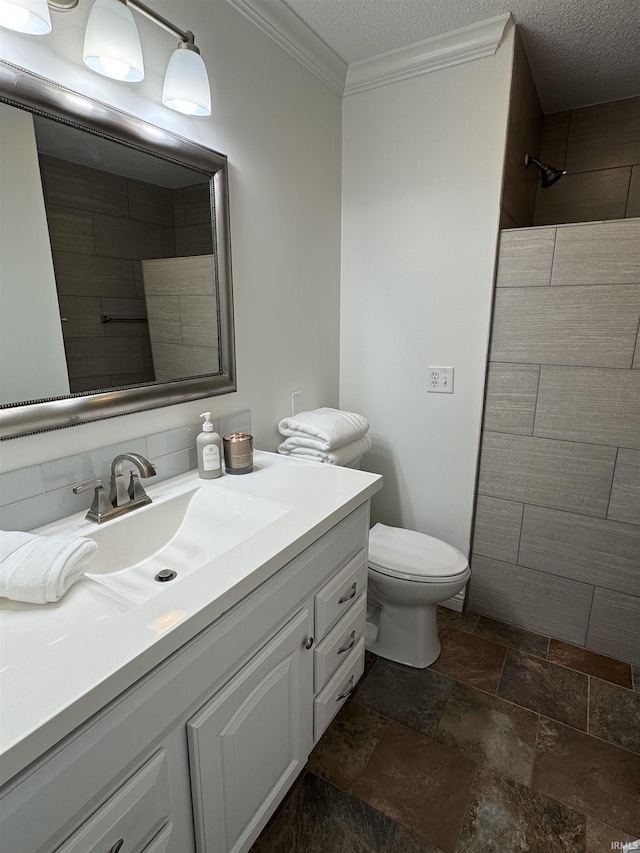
308	642
114	848
350	644
347	692
349	596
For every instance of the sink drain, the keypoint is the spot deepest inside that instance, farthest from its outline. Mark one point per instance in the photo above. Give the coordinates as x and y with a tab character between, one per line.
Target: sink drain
166	575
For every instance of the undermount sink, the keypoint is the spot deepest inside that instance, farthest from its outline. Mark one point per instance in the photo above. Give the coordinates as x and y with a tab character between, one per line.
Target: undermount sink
182	530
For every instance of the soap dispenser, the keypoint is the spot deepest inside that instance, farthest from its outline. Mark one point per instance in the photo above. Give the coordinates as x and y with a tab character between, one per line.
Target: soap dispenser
208	446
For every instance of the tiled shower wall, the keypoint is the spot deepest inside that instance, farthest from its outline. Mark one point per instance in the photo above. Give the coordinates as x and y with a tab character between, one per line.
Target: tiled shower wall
599	146
556	545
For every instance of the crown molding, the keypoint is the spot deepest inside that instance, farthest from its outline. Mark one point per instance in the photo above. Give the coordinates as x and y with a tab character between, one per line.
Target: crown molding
454	48
280	23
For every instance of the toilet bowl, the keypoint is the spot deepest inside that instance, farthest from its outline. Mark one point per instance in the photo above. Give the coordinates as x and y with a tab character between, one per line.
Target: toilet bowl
409	574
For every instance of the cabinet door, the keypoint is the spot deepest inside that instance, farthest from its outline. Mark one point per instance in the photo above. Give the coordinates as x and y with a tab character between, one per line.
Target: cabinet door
250	741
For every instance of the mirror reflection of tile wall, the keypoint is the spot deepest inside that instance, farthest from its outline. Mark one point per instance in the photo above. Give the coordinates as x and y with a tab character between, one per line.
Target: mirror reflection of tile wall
101	227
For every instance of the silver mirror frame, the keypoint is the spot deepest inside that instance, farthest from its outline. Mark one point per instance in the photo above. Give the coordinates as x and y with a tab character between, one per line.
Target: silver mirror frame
26	90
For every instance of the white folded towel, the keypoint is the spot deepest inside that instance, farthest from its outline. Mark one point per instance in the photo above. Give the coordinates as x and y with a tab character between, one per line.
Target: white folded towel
325	428
340	456
40	569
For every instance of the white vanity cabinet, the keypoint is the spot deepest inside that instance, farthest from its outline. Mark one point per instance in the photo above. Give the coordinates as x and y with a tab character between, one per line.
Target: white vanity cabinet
196	756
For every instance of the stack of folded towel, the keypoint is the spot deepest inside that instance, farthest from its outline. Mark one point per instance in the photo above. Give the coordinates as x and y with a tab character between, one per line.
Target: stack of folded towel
325	435
40	569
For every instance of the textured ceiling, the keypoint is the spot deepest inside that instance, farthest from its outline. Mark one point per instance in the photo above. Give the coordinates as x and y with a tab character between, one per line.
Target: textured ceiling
580	51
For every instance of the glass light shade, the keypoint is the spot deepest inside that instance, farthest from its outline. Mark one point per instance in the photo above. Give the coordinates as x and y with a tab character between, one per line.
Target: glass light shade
26	16
111	42
186	85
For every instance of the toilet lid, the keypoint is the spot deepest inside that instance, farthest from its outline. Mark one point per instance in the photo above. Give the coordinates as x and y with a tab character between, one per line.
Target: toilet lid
413	556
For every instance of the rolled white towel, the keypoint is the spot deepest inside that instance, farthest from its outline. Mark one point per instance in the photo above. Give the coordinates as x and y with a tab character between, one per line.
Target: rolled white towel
40	569
325	428
340	456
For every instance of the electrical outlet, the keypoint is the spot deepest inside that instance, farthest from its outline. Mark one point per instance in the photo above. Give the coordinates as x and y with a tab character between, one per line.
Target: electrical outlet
440	380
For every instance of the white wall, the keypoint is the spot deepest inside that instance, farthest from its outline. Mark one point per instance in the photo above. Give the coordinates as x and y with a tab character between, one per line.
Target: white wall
27	283
422	172
281	129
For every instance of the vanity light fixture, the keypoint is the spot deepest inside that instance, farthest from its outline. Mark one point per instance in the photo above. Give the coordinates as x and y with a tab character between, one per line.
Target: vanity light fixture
112	46
26	16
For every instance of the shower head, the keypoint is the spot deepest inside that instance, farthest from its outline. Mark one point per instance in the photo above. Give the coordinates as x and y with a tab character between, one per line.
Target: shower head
548	174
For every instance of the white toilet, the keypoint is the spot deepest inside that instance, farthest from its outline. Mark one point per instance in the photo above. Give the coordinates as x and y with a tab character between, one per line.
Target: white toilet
409	573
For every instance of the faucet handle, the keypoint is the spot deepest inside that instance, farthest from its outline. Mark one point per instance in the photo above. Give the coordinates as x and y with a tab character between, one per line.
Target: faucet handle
100	504
88	484
136	489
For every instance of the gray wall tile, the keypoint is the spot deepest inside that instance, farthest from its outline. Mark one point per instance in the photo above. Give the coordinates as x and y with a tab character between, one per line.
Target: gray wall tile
596	551
584	197
70	230
496	531
150	203
98	356
614	627
82	315
43	509
164	318
183	438
117	237
510	400
534	600
599	253
553	145
173	361
525	258
592	325
589	404
194	274
19	485
194	240
88	275
170	465
558	474
604	135
198	315
633	201
624	504
73	185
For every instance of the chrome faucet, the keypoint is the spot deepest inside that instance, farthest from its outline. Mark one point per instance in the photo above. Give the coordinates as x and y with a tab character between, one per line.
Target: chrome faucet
122	498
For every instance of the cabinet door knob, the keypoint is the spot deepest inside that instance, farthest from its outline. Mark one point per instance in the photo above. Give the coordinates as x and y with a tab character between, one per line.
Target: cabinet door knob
115	847
349	595
308	642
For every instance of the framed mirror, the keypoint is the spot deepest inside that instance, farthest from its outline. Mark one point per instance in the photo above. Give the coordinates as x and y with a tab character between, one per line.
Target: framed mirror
115	263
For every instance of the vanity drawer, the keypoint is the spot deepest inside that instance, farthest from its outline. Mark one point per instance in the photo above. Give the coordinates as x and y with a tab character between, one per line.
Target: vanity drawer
339	593
135	813
335	647
329	701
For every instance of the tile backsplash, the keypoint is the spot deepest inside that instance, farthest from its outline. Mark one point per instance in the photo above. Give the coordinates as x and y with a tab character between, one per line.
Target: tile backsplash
39	494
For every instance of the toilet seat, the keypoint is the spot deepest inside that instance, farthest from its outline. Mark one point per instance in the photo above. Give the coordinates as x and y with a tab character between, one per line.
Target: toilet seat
414	556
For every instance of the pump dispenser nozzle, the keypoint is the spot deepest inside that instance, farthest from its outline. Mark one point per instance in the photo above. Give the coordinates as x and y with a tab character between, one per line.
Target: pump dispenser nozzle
207	426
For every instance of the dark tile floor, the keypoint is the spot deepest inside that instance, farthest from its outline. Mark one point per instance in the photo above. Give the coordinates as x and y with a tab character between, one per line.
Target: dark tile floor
509	743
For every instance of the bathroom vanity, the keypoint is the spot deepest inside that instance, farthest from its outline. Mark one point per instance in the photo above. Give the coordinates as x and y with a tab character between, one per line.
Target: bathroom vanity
177	718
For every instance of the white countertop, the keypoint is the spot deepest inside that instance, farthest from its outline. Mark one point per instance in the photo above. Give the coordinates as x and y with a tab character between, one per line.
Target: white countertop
61	663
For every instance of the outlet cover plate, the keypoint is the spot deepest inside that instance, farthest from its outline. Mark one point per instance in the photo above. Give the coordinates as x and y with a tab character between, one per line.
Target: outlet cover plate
440	380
